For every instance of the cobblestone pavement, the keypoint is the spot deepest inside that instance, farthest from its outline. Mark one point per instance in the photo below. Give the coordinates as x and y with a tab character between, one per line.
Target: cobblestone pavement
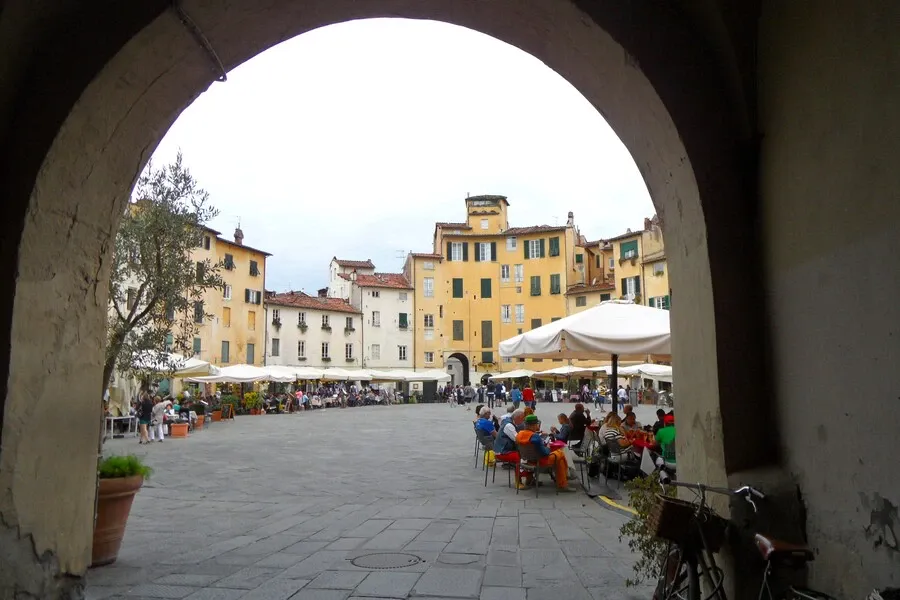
305	506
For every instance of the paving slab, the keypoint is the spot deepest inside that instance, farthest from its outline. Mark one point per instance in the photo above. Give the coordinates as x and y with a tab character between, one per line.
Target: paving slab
387	584
451	583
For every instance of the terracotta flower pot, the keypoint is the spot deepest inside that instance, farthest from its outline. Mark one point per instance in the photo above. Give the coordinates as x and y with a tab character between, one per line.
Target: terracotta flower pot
217	415
200	420
179	430
113	506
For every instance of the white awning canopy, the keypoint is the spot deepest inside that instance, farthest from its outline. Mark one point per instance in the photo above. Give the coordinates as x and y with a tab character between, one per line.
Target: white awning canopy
611	328
563	371
240	374
513	374
178	365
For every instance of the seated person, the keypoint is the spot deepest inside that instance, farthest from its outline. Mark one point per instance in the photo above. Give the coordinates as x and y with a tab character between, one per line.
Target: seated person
484	424
531	434
562	432
611	431
505	442
666	435
631	423
660	420
579	421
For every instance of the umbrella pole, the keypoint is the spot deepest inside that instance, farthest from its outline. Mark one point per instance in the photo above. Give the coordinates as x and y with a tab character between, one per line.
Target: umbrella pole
613	387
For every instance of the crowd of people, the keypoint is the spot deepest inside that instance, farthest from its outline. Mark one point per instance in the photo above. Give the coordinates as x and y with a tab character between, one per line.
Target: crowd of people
331	394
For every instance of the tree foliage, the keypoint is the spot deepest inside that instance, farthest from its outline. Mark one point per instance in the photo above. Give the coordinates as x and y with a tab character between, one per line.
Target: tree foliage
651	550
156	286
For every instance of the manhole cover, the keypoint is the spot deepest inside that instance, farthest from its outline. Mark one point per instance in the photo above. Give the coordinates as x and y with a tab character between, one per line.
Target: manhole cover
385	560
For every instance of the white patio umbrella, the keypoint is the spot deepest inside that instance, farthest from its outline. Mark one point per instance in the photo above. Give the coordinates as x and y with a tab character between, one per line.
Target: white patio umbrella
339	374
428	375
280	373
513	374
241	374
381	375
563	371
178	365
611	329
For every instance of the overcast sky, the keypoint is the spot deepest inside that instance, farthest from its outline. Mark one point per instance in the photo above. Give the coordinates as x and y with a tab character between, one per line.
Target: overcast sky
352	140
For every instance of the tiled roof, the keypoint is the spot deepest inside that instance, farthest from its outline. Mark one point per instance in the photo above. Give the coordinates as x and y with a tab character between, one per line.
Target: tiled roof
425	255
625	235
494	197
453	225
355	264
381	280
656	256
582	289
301	300
534	229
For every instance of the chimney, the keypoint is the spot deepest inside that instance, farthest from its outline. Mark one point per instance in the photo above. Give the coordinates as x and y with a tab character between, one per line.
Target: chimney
648	224
239	237
353	275
571	220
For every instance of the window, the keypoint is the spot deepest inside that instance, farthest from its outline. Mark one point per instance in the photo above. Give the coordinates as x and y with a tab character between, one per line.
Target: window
301	319
276	346
129	298
170	341
170	313
487	358
535	285
659	268
457	287
348	324
484	223
580	300
201	271
661	302
375	293
535	323
520	314
519	273
251	354
428	334
226	317
485	287
534	249
631	287
505	313
325	355
458	330
301	350
504	273
226	292
401	352
376	318
204	242
487	334
554	246
441	311
198	311
428	265
276	316
197	346
428	286
628	249
429	357
604	297
511	242
403	320
579	259
252	296
429	321
554	283
254	268
486	251
612	263
376	351
326	322
348	351
229	262
251	320
403	296
457	251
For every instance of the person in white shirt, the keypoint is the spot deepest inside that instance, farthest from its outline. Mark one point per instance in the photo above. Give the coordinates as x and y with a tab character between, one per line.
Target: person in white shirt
623	395
506	437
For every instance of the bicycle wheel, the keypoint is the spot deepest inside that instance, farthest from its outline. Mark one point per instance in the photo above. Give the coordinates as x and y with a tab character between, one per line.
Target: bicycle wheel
674	578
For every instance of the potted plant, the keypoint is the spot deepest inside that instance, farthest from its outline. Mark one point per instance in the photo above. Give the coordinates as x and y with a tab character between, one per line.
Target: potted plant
642	493
120	479
200	409
252	402
228	399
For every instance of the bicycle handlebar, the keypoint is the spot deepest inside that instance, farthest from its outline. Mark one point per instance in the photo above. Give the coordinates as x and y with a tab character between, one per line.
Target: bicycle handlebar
746	492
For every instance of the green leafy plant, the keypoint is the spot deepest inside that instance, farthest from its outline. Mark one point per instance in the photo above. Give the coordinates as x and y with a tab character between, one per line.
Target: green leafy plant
642	493
199	408
251	400
113	467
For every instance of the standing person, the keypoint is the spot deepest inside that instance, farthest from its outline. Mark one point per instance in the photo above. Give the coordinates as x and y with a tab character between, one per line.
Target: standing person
459	395
481	394
157	417
528	397
623	396
491	392
516	396
502	392
145	414
469	392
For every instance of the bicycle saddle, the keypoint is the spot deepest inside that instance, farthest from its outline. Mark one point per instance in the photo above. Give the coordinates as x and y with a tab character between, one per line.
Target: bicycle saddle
774	549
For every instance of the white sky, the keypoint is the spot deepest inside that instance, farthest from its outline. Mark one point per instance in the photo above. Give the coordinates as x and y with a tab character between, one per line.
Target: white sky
352	140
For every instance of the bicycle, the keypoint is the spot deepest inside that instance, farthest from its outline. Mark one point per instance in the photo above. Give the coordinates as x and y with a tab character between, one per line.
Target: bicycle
695	533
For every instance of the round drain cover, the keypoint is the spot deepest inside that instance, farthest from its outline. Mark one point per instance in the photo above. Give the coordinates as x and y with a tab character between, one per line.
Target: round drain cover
385	560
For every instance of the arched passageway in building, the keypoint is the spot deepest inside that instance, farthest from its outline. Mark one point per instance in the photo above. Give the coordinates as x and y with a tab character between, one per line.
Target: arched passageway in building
458	367
680	83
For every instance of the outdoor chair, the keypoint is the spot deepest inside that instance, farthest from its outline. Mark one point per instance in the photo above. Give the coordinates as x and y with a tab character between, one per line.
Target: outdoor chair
586	455
617	456
529	462
483	443
509	458
668	455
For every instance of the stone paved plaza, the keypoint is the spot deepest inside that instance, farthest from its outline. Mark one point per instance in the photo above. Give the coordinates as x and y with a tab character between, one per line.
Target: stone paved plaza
290	506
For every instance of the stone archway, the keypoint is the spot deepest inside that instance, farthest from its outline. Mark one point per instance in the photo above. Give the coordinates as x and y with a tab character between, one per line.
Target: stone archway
458	360
78	155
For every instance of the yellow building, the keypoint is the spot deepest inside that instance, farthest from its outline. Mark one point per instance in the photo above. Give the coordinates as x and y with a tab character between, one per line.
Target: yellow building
485	282
641	272
237	331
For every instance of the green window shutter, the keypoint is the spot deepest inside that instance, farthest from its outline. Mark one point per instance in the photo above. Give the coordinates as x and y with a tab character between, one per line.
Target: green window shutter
197	345
535	285
487	357
626	247
457	287
457	330
247	295
477	249
541	254
486	288
554	284
579	258
493	251
624	285
449	250
554	246
668	302
597	259
652	303
604	297
487	334
535	323
465	251
403	321
637	284
526	245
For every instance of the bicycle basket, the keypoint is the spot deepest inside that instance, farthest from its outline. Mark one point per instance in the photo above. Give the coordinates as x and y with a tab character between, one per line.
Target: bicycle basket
676	520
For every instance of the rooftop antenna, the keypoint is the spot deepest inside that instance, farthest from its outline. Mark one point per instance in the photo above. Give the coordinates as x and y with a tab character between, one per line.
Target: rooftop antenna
555	221
400	254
